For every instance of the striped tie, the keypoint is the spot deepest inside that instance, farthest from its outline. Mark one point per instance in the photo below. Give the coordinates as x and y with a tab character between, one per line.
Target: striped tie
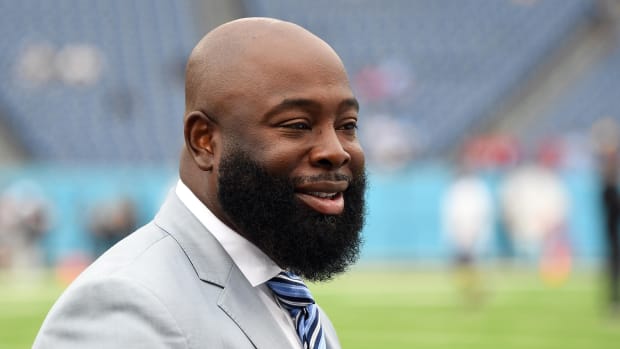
293	295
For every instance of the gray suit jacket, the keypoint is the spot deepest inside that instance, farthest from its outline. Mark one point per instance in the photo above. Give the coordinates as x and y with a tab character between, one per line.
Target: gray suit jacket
170	284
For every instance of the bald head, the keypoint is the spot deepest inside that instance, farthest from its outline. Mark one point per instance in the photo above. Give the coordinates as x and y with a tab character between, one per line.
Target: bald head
244	55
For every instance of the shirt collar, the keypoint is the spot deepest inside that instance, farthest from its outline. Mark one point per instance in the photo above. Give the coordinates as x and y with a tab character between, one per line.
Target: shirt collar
255	265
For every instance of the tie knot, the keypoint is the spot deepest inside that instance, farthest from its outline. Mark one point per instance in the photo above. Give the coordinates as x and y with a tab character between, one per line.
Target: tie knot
290	290
295	297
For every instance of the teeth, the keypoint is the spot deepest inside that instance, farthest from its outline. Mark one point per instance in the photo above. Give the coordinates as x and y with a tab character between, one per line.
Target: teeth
323	195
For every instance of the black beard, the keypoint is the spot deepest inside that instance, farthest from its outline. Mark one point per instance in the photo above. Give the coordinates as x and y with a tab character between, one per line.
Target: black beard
264	210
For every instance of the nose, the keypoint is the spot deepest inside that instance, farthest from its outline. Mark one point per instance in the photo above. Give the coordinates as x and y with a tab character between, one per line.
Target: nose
328	151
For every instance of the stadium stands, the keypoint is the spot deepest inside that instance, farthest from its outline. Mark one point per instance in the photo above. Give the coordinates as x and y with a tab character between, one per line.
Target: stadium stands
456	59
594	97
102	82
95	81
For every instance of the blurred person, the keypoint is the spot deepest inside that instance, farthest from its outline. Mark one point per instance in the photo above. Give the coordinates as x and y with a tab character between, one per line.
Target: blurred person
271	186
606	136
611	211
111	221
393	142
468	217
25	217
535	206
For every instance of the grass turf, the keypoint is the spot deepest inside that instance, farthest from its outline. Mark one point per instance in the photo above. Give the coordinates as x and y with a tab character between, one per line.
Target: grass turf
405	309
388	308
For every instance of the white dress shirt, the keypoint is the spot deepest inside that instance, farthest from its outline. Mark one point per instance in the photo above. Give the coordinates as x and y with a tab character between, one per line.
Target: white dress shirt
255	265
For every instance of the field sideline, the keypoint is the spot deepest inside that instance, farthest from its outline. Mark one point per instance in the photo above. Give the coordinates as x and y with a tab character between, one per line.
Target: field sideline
398	308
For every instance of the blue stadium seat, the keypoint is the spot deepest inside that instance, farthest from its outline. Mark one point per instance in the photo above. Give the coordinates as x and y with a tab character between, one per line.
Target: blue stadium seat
132	112
457	59
463	56
594	97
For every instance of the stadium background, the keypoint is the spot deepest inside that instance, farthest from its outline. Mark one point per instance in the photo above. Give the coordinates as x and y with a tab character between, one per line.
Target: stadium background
91	104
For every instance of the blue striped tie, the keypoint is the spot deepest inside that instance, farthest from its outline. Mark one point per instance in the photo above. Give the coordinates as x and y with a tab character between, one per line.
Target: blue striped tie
295	297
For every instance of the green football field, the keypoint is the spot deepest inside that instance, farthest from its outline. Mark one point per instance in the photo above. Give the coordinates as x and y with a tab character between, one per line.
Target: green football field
408	308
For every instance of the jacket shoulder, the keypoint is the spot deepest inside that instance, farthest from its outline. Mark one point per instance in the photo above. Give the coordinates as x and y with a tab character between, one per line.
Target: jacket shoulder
107	312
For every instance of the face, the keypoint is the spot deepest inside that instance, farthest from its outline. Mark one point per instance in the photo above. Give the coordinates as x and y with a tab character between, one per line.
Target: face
291	169
299	122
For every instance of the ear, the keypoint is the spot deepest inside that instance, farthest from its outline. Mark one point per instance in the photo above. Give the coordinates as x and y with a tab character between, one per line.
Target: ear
200	139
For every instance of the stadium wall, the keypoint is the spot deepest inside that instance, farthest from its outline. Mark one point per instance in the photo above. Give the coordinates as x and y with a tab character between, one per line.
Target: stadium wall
404	221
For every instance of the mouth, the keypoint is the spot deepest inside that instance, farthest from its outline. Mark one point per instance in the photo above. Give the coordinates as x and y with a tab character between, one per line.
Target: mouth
325	199
322	195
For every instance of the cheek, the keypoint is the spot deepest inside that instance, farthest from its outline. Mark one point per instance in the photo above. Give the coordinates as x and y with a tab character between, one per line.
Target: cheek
281	160
276	155
358	159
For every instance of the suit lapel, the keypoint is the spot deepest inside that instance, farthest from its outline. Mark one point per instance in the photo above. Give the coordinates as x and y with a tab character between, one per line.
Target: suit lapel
242	304
238	299
209	259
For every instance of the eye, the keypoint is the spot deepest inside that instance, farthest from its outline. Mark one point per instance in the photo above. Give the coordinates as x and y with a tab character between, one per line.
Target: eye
298	125
350	126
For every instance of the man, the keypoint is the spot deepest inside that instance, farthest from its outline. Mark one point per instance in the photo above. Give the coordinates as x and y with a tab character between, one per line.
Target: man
271	180
610	199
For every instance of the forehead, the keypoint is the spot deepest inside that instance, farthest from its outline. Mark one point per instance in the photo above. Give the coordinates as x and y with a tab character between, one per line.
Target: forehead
304	87
307	60
295	79
291	69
